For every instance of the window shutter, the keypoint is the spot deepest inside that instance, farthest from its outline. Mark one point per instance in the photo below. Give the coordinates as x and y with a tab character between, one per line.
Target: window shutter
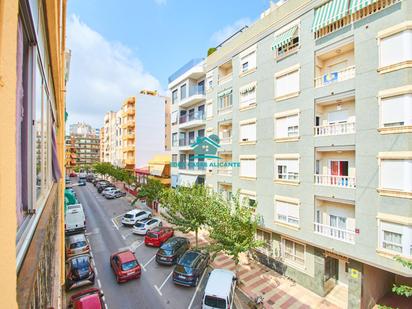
248	132
338	116
248	167
396	48
282	127
397	109
396	175
287	84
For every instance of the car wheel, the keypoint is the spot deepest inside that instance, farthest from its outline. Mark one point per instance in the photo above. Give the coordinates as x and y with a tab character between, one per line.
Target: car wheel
117	279
197	281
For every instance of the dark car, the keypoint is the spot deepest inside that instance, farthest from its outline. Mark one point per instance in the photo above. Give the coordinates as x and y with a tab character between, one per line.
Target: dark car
170	252
89	178
79	271
125	266
96	180
82	182
190	268
101	183
102	187
88	299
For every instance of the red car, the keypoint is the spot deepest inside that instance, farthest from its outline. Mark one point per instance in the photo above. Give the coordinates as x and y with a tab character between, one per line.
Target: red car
73	174
157	236
87	299
125	266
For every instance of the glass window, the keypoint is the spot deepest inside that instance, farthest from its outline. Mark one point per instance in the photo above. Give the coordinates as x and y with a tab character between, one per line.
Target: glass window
293	251
174	96
183	92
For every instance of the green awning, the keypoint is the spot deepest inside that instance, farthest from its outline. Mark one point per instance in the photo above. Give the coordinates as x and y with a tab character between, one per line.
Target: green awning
329	13
356	5
224	92
284	38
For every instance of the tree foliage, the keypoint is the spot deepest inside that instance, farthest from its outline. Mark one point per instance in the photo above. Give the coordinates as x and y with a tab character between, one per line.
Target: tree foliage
403	290
107	169
188	208
151	191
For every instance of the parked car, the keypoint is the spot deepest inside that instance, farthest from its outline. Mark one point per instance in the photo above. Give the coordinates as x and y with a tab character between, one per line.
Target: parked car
131	217
101	183
96	180
170	251
76	244
90	178
105	186
143	226
82	182
114	194
220	289
190	268
73	174
157	236
68	181
125	266
107	190
87	299
74	219
79	271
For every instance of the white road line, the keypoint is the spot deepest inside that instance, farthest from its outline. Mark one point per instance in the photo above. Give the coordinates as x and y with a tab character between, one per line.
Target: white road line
114	223
124	238
158	290
99	283
148	262
197	289
164	282
136	245
95	270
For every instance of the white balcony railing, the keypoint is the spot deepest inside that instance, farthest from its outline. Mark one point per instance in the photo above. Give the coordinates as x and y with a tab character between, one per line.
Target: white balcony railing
225	140
334	232
334	77
335	181
335	129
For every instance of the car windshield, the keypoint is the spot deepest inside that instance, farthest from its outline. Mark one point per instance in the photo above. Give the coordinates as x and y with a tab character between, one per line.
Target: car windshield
215	302
139	224
152	221
81	262
140	213
129	265
188	258
128	216
78	244
152	235
165	251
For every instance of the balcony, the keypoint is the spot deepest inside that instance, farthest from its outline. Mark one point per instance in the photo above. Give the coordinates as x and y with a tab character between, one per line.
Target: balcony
192	120
334	232
129	161
193	167
128	136
335	77
184	144
335	129
225	133
335	181
225	72
128	148
196	95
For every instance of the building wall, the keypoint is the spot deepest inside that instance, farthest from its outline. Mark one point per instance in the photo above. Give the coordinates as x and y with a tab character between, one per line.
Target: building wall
168	125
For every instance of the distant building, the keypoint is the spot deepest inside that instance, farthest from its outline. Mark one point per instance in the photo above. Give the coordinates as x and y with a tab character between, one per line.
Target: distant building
84	149
82	128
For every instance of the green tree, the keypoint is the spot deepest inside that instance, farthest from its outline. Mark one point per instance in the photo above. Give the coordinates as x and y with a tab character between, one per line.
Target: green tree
403	290
151	191
104	168
233	227
187	208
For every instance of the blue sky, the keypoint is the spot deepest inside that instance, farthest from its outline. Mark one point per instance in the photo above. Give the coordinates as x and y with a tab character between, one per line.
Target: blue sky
121	46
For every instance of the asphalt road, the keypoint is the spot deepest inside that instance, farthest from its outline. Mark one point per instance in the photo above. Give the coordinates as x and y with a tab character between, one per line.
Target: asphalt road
155	289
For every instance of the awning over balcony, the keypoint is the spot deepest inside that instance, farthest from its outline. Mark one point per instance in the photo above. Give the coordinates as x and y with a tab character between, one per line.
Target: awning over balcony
284	38
356	5
224	92
329	13
186	180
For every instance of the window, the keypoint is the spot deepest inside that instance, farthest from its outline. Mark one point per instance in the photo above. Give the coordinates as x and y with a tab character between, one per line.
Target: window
174	117
248	167
287	83
201	87
293	252
396	111
286	40
248	198
225	99
286	126
248	59
287	169
396	238
209	110
209	80
395	48
174	140
396	174
266	237
174	96
183	92
247	95
286	212
248	131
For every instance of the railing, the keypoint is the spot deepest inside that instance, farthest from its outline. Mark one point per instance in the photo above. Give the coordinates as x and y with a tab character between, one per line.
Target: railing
226	139
192	165
334	232
335	129
335	77
192	117
335	181
196	90
186	142
224	79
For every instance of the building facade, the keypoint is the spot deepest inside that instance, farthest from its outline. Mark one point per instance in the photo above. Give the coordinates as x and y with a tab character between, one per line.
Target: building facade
86	149
128	125
109	137
314	101
82	128
188	122
32	88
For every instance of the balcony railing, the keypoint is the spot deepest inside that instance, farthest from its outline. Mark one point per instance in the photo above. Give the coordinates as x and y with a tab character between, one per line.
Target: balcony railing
192	165
334	77
225	140
334	232
196	90
192	117
335	181
186	142
335	129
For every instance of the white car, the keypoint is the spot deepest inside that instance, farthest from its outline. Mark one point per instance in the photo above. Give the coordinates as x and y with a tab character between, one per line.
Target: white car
108	190
135	215
143	226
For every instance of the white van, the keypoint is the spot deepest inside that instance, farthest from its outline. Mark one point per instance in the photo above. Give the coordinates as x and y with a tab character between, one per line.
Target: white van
74	219
220	290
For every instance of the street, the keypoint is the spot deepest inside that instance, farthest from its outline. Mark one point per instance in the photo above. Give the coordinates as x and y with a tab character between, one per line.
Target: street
106	235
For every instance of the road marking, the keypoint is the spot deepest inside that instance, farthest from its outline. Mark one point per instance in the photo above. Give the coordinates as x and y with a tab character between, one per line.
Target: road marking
148	262
99	283
164	282
124	238
157	289
197	289
136	245
114	223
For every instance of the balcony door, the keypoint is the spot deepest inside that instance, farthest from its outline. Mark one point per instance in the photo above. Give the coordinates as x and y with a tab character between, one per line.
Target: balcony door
336	117
338	225
338	168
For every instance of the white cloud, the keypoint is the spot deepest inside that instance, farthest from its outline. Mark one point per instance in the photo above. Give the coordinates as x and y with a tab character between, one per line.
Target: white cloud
160	2
102	74
222	34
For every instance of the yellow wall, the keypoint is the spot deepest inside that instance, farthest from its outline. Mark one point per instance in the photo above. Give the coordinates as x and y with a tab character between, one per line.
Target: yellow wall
8	223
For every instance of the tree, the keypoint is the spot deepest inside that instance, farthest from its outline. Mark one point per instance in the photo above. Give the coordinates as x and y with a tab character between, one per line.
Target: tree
151	191
188	208
403	290
104	168
233	227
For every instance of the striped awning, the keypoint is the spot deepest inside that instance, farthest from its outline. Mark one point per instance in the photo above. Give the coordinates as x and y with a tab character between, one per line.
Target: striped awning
329	13
356	5
285	37
247	88
224	92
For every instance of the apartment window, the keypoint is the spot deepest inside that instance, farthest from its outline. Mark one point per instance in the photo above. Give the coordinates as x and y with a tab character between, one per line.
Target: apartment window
287	83
183	92
396	238
225	99
266	238
293	251
396	174
209	80
248	131
287	169
286	211
174	140
248	198
286	41
248	167
287	125
174	96
395	48
248	59
396	111
174	117
209	110
247	95
201	133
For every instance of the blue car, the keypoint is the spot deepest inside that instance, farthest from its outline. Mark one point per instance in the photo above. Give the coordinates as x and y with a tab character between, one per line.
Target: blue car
190	268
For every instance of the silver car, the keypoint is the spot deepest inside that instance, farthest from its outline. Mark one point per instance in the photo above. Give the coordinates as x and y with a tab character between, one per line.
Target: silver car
76	244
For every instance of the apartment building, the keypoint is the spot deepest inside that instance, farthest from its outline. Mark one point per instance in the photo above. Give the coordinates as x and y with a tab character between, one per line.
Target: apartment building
101	135
188	120
314	101
86	148
128	125
109	137
81	128
32	91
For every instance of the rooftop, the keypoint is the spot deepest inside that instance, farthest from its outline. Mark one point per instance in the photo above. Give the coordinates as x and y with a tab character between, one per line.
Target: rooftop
192	63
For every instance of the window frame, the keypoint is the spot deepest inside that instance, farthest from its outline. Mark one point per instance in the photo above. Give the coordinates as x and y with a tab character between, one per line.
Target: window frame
406	238
401	155
288	200
289	261
285	115
247	122
282	74
248	158
288	179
